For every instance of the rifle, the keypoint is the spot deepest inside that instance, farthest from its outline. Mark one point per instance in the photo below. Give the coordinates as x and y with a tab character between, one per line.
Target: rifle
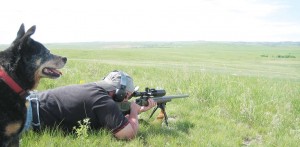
157	95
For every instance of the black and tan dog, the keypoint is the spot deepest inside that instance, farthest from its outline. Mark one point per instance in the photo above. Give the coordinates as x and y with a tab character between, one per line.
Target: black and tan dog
22	65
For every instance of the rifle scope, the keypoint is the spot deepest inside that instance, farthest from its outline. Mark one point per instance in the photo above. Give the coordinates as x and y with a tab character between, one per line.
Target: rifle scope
150	92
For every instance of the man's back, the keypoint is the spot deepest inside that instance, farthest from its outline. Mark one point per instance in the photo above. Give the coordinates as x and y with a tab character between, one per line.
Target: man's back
65	106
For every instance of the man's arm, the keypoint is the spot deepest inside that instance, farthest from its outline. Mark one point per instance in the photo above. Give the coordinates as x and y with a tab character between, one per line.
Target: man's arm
131	129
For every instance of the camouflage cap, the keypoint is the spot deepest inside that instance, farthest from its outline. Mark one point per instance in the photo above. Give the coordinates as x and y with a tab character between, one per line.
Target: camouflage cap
112	81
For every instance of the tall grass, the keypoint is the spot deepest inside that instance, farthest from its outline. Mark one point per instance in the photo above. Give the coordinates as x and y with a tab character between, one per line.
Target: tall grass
237	97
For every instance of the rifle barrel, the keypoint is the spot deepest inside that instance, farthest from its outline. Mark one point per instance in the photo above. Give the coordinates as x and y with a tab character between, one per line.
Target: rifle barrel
168	98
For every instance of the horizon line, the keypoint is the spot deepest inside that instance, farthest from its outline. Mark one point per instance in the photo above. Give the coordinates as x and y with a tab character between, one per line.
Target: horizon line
163	41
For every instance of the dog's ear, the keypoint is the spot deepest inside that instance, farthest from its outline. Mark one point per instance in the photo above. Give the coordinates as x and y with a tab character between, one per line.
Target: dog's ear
21	32
26	37
28	34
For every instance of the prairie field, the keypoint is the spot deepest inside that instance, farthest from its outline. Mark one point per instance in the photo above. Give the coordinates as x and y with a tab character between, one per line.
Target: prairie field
240	94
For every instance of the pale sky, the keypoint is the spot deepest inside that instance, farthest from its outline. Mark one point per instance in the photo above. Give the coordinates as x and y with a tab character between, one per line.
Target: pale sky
152	20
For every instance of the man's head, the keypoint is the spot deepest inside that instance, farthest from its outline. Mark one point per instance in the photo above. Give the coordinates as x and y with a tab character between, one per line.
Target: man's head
116	81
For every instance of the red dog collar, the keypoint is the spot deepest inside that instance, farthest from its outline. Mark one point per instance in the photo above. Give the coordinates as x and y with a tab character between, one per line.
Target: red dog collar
12	84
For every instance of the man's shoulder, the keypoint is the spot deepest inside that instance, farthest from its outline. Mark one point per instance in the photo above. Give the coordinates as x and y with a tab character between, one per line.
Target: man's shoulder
87	91
74	87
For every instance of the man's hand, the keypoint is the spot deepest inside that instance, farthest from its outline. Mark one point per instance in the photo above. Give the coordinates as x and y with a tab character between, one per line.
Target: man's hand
151	104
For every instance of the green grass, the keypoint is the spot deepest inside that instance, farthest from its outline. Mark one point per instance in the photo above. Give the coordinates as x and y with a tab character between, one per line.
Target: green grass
237	96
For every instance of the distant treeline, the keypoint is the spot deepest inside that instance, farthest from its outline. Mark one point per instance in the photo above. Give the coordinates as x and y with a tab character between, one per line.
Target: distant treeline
280	56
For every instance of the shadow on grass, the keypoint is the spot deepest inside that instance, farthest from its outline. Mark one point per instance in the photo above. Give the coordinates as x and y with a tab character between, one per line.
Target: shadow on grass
184	126
178	129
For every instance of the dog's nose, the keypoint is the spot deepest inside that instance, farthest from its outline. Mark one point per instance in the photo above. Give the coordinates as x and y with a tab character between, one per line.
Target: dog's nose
64	59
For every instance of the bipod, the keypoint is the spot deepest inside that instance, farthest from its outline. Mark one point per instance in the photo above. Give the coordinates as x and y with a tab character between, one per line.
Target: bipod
162	107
